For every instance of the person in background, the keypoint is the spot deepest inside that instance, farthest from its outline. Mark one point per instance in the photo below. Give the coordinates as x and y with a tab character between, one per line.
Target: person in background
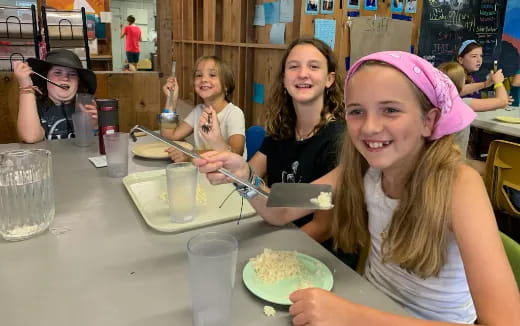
516	79
470	57
457	74
224	123
45	110
133	37
304	125
403	189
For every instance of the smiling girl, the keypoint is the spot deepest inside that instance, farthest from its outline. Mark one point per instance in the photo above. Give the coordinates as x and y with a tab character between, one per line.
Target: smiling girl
50	115
214	83
403	189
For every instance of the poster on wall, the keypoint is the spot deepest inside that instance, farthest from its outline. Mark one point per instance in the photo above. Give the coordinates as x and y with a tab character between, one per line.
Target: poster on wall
312	7
411	6
327	6
91	6
397	5
370	4
511	33
353	4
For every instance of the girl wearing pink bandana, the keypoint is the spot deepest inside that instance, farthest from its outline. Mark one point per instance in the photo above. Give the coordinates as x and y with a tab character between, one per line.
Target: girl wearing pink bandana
403	190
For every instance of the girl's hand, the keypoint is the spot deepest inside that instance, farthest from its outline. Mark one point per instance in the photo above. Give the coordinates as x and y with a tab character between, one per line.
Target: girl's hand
22	72
176	155
171	85
212	161
213	136
318	307
510	100
497	77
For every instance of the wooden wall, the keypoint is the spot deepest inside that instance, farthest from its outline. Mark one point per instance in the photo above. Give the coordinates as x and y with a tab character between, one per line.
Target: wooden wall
225	28
138	94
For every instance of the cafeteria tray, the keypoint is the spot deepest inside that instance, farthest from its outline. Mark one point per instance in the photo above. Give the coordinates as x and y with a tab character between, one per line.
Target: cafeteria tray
148	191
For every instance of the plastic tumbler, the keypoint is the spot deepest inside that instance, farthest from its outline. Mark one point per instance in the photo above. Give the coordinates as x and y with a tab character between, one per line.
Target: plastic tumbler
181	181
84	98
84	136
212	259
116	147
26	193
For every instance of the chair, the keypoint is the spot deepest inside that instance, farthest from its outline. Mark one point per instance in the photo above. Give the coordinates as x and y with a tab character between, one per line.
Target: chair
503	169
512	249
254	138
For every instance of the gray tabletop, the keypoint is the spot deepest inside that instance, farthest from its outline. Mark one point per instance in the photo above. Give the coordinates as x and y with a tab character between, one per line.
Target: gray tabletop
486	120
99	263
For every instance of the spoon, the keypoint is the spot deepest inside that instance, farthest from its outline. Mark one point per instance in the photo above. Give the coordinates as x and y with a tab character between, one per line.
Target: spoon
62	86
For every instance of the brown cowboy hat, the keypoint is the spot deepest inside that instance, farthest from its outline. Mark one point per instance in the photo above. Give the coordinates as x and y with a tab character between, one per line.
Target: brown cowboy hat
64	58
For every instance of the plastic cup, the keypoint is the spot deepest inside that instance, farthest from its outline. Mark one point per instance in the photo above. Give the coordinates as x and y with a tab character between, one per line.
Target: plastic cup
116	147
82	99
84	136
181	181
213	260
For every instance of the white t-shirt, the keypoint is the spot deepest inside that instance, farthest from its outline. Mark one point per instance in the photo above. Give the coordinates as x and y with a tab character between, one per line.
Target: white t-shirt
231	120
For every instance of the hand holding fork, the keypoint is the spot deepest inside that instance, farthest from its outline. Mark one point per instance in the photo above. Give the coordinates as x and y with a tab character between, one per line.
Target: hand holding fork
206	127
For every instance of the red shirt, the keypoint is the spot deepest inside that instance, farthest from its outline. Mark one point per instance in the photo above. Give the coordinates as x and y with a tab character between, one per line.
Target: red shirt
133	35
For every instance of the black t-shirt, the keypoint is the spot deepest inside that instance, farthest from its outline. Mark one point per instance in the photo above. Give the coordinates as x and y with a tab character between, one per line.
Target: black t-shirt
56	119
292	161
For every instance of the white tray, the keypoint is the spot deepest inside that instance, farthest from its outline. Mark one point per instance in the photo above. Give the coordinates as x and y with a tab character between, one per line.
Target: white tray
148	190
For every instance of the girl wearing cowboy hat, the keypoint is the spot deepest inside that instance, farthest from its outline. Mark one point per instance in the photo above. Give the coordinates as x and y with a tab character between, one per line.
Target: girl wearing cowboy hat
49	114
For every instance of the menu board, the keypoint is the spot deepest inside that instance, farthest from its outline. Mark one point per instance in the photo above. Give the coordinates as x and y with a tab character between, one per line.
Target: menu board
447	23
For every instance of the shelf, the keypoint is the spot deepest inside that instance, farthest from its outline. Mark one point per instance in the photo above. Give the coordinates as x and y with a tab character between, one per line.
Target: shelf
241	45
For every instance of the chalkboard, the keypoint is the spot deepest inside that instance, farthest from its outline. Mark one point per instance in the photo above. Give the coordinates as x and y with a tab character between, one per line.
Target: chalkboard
447	23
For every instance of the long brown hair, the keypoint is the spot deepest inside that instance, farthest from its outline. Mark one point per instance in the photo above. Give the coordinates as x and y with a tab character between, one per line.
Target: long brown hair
418	234
281	116
470	47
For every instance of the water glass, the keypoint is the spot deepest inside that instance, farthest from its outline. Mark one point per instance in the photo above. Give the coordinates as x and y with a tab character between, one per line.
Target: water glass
213	260
83	134
116	148
181	181
26	193
82	99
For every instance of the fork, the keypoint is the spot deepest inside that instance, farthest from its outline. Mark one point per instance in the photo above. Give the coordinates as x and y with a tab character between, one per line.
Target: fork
207	126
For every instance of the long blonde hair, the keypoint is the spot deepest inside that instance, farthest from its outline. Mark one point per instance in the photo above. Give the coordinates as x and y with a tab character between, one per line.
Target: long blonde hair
455	71
418	234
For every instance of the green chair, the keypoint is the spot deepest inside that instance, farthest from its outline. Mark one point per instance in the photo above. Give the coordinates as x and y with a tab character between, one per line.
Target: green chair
513	255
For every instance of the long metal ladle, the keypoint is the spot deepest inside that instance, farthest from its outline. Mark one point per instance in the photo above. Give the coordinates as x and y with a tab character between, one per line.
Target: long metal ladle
194	155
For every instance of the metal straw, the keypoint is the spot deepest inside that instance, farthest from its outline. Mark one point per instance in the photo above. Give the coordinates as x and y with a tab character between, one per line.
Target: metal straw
50	81
195	155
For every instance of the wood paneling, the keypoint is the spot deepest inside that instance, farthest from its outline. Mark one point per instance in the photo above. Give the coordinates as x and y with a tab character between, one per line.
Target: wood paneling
224	28
8	107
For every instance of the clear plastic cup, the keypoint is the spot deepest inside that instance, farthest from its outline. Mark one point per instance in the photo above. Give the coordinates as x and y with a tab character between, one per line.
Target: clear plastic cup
116	148
181	181
84	135
211	292
26	193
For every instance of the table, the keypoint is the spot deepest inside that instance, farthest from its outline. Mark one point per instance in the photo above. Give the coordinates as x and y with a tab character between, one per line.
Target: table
99	264
486	120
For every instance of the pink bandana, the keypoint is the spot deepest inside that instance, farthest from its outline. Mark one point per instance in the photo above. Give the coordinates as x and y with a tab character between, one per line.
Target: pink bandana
440	90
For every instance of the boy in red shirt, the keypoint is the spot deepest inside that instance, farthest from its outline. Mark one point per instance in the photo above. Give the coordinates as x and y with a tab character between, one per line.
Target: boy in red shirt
133	37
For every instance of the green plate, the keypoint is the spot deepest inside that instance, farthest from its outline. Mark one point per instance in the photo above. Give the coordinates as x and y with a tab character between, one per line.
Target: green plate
315	274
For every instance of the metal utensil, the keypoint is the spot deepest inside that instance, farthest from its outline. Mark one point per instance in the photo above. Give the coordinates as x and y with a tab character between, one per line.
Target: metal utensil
194	155
206	127
62	86
280	195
